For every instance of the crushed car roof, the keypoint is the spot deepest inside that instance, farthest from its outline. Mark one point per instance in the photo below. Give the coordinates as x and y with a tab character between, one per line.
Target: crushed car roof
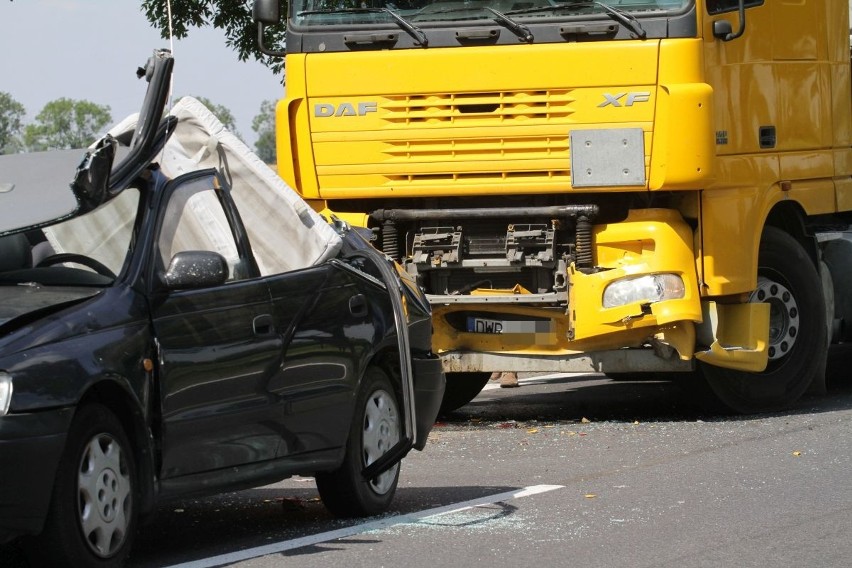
285	227
281	223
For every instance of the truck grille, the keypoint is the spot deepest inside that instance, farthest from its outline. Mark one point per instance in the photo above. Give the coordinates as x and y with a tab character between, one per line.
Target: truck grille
467	108
493	155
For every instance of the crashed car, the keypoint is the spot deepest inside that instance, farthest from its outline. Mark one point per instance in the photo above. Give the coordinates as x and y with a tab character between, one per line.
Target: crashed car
175	322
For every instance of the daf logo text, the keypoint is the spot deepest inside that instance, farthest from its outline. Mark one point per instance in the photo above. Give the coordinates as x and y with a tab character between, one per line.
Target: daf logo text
344	109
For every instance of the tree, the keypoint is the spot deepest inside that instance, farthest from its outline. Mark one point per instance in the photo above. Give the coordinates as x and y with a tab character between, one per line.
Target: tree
232	17
223	113
11	120
65	124
263	125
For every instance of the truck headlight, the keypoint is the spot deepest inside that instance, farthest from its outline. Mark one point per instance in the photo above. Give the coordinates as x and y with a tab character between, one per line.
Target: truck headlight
646	289
5	392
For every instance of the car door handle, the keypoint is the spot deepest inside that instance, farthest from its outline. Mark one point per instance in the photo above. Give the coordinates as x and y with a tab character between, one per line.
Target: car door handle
262	325
358	305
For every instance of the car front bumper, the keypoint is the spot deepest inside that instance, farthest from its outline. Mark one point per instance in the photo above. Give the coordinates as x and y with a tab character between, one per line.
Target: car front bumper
30	447
429	384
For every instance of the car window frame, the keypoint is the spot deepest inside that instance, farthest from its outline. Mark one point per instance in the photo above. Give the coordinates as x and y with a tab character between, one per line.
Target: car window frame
222	191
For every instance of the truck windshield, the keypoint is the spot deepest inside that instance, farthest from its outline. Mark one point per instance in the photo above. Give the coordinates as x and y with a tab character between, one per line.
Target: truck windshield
360	12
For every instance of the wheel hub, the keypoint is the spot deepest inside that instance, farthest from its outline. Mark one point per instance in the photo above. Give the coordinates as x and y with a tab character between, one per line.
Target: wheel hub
783	316
107	494
381	433
103	486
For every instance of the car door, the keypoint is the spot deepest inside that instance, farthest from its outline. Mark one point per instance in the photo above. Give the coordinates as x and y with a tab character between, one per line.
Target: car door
218	345
332	335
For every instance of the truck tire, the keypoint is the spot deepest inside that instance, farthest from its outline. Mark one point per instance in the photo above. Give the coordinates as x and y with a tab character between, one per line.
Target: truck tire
462	388
789	282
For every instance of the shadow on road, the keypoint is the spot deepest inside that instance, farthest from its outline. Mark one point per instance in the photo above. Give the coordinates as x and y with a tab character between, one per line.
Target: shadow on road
651	399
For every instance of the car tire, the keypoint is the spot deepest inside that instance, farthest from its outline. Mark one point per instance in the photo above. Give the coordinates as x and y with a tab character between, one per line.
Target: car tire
462	388
376	428
92	516
790	283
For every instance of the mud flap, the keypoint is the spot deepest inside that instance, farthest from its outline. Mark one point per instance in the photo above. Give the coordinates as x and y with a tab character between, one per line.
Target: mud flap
737	336
819	385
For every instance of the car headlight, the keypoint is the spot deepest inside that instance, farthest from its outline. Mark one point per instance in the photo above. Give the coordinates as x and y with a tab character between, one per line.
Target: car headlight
5	393
647	289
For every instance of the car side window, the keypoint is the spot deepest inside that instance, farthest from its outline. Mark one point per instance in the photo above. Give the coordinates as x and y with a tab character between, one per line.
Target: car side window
194	220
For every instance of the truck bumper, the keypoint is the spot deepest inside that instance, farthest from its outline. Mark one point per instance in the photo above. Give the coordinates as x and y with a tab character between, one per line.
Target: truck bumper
579	328
628	360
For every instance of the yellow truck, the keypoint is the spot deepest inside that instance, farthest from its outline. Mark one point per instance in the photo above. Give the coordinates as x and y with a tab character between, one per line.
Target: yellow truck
623	186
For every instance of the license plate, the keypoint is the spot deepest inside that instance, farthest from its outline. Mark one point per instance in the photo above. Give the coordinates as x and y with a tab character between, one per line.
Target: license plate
485	325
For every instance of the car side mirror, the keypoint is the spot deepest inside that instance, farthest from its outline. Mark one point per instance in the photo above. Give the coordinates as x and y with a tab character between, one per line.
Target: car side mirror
196	269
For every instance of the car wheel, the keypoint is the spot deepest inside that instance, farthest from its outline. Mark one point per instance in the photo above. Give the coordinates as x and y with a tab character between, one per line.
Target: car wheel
462	388
92	515
790	284
376	428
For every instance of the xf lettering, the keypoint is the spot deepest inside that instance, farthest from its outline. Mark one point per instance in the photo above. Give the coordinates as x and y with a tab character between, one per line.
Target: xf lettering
629	99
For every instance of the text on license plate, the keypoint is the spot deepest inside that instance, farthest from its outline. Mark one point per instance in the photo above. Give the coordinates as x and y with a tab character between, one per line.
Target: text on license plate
484	325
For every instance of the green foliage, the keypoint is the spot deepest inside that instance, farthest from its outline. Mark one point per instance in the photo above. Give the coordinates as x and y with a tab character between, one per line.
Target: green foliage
221	112
263	125
234	17
65	124
11	122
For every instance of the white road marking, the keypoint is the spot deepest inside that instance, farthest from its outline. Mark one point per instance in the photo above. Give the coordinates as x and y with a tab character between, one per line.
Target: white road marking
379	524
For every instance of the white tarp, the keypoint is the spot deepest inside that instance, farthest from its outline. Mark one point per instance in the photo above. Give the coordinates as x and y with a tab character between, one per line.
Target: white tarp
285	233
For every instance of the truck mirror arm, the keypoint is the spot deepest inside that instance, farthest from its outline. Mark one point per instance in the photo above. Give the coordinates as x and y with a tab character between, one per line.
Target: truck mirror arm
262	46
723	30
263	13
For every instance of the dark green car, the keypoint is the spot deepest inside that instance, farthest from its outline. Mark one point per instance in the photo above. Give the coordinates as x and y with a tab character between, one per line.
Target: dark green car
176	321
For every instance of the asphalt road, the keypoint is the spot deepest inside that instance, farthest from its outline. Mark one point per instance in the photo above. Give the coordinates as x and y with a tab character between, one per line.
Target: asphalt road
563	471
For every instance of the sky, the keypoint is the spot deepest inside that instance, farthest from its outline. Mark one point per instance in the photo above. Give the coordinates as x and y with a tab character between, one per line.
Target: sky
90	49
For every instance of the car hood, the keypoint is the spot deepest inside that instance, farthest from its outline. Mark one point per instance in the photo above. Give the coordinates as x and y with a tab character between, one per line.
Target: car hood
27	302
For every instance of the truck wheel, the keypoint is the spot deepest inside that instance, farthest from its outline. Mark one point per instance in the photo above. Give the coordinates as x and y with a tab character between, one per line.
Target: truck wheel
789	282
92	516
462	388
376	428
